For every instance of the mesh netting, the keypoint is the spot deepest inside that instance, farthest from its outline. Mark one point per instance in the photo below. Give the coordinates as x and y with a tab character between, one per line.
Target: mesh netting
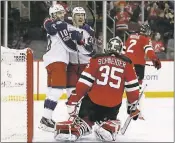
13	95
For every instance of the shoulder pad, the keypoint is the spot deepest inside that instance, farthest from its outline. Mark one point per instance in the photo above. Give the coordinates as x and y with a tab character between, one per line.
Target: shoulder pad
124	58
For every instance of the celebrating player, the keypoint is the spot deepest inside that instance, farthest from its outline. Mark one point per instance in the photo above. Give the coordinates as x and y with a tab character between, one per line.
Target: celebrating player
138	46
79	60
61	37
100	90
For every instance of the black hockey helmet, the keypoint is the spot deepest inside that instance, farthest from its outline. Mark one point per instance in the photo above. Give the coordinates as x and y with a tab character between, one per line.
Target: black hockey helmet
145	29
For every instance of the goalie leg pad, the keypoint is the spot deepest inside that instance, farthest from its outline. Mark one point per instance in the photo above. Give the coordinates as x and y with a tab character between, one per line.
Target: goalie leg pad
71	130
108	130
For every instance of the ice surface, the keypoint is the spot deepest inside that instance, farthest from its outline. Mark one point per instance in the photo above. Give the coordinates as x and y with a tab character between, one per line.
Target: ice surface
158	126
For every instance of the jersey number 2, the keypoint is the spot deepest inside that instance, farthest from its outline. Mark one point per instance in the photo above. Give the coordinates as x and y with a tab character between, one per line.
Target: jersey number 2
132	43
110	72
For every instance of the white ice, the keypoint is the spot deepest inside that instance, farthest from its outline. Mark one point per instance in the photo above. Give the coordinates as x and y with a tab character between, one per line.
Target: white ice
157	127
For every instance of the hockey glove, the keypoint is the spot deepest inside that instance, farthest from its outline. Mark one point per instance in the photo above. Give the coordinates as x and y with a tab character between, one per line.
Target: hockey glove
87	28
132	110
72	104
89	45
156	63
80	40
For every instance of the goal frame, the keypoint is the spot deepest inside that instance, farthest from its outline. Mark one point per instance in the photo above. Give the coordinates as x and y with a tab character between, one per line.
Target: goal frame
29	92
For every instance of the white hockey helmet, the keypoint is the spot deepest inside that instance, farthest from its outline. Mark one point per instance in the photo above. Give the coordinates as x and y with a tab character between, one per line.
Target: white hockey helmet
53	10
115	45
78	19
78	10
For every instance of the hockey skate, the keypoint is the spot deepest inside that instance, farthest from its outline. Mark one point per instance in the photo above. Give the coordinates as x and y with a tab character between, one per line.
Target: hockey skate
47	124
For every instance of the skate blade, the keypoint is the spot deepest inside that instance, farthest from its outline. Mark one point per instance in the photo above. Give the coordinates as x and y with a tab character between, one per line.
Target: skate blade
46	128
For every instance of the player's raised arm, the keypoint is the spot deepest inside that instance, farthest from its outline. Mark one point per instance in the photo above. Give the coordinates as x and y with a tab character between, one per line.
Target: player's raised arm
56	13
148	48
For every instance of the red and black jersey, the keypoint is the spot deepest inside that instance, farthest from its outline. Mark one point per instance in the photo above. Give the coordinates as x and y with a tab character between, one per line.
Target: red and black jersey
105	78
137	47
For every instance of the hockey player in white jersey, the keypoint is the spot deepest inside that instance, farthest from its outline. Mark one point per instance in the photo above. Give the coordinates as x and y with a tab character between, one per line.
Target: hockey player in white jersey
61	40
79	60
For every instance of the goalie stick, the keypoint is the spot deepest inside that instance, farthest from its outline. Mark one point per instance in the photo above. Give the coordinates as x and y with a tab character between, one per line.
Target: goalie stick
148	65
128	120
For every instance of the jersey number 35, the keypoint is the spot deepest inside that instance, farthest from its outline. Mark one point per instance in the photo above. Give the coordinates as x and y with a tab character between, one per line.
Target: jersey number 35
110	72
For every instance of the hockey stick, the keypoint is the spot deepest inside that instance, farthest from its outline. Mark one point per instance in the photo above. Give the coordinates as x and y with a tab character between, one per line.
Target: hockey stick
93	15
149	65
128	120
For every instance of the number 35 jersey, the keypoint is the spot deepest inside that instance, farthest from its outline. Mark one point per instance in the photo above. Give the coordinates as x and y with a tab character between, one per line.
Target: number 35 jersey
138	47
106	78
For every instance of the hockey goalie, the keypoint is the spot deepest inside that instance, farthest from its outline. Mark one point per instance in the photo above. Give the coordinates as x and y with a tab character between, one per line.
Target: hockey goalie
100	90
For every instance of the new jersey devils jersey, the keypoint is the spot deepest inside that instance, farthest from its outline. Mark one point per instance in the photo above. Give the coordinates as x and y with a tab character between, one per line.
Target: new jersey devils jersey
105	79
137	47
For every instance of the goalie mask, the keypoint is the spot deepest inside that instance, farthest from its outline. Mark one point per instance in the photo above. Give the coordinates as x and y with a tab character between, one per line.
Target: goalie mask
57	12
78	16
115	45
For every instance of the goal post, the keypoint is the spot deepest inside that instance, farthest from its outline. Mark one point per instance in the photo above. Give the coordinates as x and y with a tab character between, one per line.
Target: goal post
16	95
29	95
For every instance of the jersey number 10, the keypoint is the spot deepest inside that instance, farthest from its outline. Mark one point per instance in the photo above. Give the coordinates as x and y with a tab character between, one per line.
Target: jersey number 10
64	33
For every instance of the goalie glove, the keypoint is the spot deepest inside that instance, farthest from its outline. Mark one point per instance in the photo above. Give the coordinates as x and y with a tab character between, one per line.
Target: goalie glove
132	110
72	104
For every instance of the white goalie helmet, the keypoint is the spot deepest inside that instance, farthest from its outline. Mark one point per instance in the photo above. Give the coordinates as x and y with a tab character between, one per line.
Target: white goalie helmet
115	45
77	18
53	10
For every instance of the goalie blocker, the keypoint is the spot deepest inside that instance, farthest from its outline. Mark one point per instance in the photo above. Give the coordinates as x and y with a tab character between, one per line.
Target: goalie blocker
101	87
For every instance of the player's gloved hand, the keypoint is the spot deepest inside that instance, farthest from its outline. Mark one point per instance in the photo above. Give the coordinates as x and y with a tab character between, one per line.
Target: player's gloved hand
89	45
156	63
86	27
72	103
132	110
79	38
90	40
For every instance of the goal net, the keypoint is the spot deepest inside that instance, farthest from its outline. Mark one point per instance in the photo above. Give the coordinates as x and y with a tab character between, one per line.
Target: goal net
16	95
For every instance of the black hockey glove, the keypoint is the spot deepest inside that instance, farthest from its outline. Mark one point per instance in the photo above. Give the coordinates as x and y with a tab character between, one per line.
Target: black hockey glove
156	63
132	110
80	40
